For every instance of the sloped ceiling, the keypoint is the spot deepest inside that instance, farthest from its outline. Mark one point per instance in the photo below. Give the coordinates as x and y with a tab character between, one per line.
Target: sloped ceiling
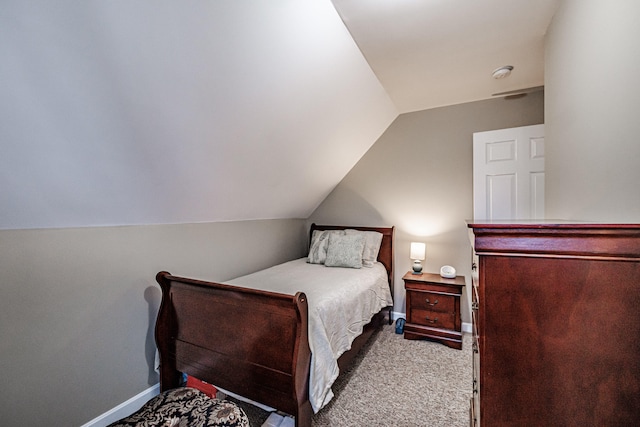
432	53
120	112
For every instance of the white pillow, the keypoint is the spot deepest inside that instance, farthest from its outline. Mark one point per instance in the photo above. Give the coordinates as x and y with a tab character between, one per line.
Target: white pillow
372	242
345	250
319	244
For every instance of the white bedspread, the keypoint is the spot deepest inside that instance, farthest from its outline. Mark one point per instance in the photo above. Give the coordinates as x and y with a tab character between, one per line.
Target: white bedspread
341	301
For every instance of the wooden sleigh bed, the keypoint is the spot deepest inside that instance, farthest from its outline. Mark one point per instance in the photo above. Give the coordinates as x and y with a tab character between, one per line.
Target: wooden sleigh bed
250	342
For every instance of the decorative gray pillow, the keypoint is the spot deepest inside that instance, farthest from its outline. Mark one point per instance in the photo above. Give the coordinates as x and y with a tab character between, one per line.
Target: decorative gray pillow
319	245
372	242
345	250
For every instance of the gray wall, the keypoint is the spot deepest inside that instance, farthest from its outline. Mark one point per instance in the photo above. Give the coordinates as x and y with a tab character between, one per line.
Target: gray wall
418	177
78	306
591	111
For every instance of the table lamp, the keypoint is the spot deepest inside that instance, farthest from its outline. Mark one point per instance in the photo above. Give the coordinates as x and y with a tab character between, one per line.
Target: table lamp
418	251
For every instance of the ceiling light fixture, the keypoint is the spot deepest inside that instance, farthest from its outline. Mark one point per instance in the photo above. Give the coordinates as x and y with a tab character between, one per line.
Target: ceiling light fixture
502	72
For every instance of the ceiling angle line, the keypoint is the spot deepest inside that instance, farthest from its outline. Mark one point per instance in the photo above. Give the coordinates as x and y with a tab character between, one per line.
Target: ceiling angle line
519	91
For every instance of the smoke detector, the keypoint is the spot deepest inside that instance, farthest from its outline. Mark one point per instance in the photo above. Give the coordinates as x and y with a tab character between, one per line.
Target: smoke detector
502	72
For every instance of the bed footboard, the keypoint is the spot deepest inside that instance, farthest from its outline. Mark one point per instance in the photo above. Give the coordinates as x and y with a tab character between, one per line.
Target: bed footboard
266	361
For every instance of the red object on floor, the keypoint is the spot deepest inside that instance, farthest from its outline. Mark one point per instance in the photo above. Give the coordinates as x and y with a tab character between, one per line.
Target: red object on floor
204	387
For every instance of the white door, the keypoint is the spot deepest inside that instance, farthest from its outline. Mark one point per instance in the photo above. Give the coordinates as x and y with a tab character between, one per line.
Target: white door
508	174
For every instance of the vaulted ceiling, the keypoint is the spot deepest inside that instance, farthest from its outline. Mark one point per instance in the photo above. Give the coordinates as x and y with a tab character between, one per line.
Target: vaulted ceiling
431	53
148	112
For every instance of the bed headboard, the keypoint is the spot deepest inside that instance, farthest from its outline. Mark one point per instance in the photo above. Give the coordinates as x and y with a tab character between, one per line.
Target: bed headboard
385	256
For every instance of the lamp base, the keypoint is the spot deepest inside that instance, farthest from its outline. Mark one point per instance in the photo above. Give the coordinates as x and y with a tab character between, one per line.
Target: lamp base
417	267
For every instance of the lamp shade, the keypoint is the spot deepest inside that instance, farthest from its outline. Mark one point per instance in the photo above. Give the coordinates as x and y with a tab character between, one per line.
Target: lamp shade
418	250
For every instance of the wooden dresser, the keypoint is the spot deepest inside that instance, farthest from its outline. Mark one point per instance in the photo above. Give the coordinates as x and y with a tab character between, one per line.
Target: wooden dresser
556	323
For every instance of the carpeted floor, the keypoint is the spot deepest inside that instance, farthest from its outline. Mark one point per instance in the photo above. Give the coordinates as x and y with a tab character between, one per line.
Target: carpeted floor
398	382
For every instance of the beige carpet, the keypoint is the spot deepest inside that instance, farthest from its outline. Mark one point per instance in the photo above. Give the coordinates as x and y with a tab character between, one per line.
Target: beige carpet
398	382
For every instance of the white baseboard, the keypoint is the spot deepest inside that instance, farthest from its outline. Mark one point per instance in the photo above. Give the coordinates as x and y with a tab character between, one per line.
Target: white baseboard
124	409
244	399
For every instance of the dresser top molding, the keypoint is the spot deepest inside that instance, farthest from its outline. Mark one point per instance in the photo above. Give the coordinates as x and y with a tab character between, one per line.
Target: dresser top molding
556	239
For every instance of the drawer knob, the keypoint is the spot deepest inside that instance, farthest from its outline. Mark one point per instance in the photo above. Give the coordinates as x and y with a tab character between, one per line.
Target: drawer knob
432	304
432	320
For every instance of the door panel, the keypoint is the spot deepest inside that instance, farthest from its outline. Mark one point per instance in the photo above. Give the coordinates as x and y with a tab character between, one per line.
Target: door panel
501	196
536	194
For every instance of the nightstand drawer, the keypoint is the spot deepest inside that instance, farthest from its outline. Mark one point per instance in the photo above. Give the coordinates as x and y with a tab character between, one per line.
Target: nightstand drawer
432	319
432	302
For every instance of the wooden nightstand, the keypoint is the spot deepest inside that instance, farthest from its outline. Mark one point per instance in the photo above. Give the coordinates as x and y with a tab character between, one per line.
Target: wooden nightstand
433	308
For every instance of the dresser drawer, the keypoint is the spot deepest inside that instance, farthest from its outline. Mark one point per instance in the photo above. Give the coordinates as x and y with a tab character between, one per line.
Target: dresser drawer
431	301
432	319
